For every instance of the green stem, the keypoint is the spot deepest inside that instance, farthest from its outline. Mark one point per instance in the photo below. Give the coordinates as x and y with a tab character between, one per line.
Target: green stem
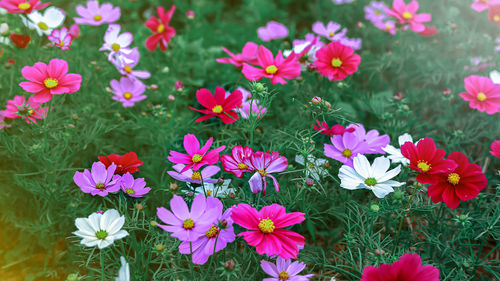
402	218
102	266
211	257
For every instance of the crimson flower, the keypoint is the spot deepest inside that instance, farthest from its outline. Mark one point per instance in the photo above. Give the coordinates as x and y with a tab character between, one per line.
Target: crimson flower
334	130
408	268
20	40
336	61
219	105
162	32
495	149
128	163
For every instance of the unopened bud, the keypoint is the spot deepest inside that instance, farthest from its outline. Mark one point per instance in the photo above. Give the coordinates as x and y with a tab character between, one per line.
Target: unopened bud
309	182
229	265
173	186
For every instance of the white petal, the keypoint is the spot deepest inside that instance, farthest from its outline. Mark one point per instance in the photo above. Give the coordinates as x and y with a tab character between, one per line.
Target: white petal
405	138
381	190
495	76
53	17
389	175
83	224
362	166
380	166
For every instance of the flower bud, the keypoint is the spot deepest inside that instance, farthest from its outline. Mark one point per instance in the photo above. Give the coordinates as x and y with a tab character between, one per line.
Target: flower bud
309	182
379	252
153	223
4	29
446	92
229	265
165	69
190	14
231	195
397	97
171	97
398	195
316	100
160	247
72	277
179	86
139	207
374	208
173	186
259	87
154	87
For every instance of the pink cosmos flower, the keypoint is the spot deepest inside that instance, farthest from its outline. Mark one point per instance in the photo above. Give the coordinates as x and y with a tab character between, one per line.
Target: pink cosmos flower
265	164
374	141
248	55
218	105
162	31
272	31
126	64
250	107
237	162
191	176
93	14
334	130
116	43
409	268
284	270
495	148
20	108
482	94
408	14
128	91
47	80
74	31
329	31
61	38
387	26
221	232
337	61
275	69
22	6
133	187
345	147
99	181
197	157
266	229
481	5
184	224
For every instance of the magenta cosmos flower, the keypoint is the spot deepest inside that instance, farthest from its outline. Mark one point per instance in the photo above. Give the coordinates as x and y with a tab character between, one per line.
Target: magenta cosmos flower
22	6
128	91
272	31
20	108
266	229
61	38
94	14
248	55
221	231
408	14
265	164
482	94
330	31
277	69
409	268
196	157
345	147
99	180
116	43
126	64
237	162
284	270
373	140
336	61
203	175
47	80
133	187
495	148
218	105
185	224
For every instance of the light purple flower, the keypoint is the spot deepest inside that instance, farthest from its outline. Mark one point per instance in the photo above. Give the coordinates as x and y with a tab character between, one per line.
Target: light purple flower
265	164
309	38
354	43
126	63
345	147
497	48
128	91
185	224
249	107
284	270
93	14
61	38
221	231
339	2
375	12
272	31
133	187
329	31
387	26
375	142
116	43
99	181
194	176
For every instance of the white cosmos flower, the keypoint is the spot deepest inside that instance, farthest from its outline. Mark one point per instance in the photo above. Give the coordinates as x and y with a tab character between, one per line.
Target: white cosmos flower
315	166
51	19
100	230
375	177
395	153
124	272
215	190
495	76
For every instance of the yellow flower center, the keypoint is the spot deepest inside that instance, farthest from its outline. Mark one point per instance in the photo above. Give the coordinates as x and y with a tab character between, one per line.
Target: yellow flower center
24	6
209	192
424	166
127	95
496	18
331	34
262	172
100	186
196	176
453	178
115	47
212	233
407	16
101	234
377	13
481	97
97	17
336	62
160	28
50	83
197	158
266	226
30	112
43	26
217	109
61	43
272	69
283	276
388	27
370	181
242	166
130	191
127	69
188	224
347	153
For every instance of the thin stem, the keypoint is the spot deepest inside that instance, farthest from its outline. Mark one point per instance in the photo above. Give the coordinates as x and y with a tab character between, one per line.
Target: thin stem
102	266
402	218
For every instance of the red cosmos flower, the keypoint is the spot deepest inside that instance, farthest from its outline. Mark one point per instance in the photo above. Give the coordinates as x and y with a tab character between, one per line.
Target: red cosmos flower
408	268
127	163
494	14
495	149
238	162
219	105
275	69
162	31
336	61
429	31
22	6
427	160
20	40
461	184
334	130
